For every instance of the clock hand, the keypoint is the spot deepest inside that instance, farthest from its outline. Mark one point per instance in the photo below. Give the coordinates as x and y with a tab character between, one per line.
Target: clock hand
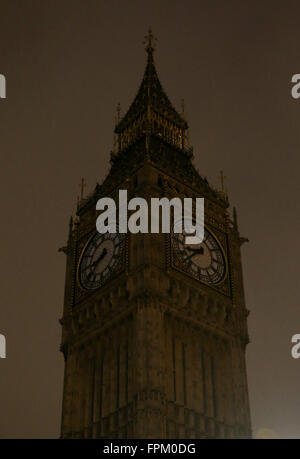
104	252
200	250
191	255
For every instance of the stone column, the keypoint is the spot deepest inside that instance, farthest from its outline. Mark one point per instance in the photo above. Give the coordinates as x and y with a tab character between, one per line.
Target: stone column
149	363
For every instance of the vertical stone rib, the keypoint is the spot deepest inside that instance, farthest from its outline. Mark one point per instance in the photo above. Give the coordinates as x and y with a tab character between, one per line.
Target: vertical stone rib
97	395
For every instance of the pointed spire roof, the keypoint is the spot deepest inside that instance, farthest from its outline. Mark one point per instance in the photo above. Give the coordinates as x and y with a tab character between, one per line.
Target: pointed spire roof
151	94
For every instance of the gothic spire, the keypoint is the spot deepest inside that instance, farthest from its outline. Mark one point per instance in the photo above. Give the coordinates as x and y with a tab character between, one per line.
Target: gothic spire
151	111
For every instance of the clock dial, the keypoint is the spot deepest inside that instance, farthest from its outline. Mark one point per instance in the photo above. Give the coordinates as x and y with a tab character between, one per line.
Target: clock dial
99	259
205	261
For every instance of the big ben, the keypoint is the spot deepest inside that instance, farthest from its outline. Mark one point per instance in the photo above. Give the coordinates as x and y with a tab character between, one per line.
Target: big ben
154	331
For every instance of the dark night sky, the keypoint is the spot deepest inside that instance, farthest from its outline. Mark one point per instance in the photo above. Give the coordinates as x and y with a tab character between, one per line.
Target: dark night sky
67	65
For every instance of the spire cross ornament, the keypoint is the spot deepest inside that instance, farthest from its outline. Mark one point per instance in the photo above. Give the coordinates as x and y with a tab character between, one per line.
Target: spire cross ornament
222	180
82	186
149	41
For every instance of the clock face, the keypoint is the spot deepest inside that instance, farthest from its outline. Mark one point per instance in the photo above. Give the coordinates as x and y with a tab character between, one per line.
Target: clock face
205	261
99	259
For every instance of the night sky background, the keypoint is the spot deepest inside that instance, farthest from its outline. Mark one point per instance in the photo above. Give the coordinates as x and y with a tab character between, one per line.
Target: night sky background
67	65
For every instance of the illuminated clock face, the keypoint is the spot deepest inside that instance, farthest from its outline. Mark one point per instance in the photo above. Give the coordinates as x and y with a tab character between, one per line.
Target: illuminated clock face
100	259
205	261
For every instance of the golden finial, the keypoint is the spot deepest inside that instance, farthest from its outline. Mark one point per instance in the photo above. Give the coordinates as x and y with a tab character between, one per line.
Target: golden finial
82	185
117	120
182	107
149	41
118	112
235	221
186	135
222	178
70	232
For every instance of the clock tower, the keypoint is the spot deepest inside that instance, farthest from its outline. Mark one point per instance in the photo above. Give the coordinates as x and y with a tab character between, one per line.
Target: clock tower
154	331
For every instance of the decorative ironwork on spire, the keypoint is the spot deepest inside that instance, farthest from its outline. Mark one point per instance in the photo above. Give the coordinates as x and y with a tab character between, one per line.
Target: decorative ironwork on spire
149	41
151	112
